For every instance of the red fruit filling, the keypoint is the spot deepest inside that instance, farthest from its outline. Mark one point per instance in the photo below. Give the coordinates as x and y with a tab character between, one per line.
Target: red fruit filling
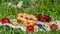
21	16
30	19
26	18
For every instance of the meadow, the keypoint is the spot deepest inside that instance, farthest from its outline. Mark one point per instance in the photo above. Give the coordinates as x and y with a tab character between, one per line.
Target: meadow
44	7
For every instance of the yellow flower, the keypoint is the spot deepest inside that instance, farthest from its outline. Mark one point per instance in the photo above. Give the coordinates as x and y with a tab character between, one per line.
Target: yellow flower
35	27
25	24
14	23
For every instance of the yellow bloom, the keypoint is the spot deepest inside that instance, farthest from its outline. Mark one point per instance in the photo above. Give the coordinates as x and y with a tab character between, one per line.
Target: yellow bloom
25	24
35	27
14	23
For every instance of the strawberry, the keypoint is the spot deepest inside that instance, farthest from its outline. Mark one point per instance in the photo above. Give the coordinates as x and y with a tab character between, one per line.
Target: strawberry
48	19
30	28
42	20
39	16
5	20
53	26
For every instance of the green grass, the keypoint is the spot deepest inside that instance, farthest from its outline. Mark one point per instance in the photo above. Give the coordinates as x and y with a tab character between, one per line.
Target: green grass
45	7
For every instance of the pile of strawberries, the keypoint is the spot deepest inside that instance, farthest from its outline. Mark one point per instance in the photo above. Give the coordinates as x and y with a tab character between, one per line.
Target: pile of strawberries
44	18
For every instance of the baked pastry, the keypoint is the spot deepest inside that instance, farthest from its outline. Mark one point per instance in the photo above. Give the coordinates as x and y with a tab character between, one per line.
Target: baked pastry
24	18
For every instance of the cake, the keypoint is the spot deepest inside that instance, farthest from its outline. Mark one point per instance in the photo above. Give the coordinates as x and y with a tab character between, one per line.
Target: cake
27	19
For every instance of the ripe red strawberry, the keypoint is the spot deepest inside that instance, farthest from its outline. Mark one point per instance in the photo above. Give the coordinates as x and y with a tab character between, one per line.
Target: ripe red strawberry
5	20
42	20
53	26
30	28
39	16
48	19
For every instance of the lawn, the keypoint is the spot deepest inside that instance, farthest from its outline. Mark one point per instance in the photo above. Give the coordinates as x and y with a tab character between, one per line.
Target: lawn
45	7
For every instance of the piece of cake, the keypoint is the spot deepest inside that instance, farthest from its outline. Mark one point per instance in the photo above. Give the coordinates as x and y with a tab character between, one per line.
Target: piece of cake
24	18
